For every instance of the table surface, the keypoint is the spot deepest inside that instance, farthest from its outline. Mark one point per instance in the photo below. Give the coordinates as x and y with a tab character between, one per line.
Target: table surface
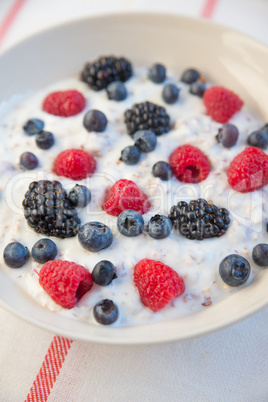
230	365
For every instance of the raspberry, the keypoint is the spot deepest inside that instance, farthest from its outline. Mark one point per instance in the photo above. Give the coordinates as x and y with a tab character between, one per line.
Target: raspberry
157	283
249	170
64	103
65	282
125	194
75	164
189	164
221	104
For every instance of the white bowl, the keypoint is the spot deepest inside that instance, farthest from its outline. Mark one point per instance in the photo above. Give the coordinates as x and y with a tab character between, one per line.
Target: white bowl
228	57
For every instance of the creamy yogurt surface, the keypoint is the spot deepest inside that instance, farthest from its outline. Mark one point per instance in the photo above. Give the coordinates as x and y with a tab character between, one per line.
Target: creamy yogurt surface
196	261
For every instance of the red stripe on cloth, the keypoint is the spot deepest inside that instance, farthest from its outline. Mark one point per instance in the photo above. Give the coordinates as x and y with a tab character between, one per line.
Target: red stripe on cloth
11	15
209	8
49	370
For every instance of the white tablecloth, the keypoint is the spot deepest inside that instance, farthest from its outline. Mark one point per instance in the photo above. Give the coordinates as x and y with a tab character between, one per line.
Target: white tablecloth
230	365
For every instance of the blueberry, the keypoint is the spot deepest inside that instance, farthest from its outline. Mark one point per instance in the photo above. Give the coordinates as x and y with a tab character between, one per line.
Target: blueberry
95	120
80	196
162	170
28	160
106	312
258	139
197	88
265	128
130	155
44	250
227	135
15	255
170	93
130	223
157	73
260	255
95	236
190	75
145	140
45	140
234	270
103	273
159	227
116	91
33	126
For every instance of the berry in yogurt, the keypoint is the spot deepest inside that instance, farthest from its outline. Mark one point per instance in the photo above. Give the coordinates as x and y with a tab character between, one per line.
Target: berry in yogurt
106	312
15	255
64	103
221	103
76	164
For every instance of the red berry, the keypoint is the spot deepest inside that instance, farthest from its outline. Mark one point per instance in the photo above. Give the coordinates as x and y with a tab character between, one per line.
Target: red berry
157	283
64	103
249	170
221	104
65	282
189	164
125	194
75	164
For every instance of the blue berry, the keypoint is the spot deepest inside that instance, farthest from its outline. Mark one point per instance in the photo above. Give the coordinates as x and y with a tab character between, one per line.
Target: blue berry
44	250
103	273
227	135
260	255
163	170
79	196
258	139
130	223
265	128
95	120
16	255
145	140
44	140
106	312
130	155
95	236
170	93
197	88
116	91
157	73
159	227
190	75
28	161
234	270
33	126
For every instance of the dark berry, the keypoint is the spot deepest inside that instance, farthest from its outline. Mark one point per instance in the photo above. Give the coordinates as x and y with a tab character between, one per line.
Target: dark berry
106	312
130	223
16	255
157	73
159	227
260	255
116	91
95	120
197	88
145	140
170	93
234	270
190	75
130	155
44	250
33	126
265	128
103	273
162	170
28	161
98	74
44	140
258	139
79	196
227	135
95	236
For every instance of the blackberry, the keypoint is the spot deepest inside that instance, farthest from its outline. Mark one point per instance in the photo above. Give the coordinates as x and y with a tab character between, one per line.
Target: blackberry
48	210
199	220
99	73
147	116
